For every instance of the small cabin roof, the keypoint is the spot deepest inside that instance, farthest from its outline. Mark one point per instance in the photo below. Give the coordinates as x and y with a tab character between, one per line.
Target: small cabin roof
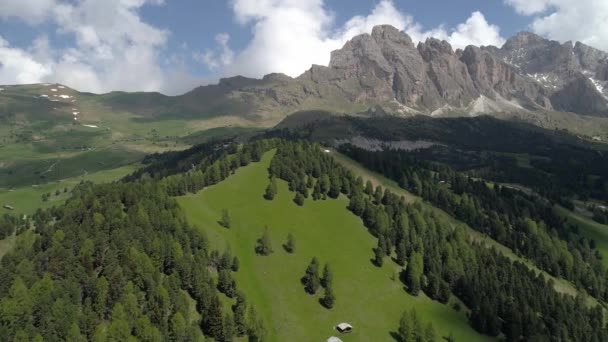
344	326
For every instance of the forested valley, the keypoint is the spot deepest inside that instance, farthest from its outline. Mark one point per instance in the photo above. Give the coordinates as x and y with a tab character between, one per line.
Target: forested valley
120	262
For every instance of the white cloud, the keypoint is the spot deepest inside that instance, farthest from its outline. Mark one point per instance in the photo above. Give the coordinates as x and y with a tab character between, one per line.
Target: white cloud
290	35
113	48
17	66
32	11
529	7
220	57
583	20
475	31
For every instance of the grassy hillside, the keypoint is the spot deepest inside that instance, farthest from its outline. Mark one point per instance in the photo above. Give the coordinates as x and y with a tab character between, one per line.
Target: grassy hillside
370	298
27	199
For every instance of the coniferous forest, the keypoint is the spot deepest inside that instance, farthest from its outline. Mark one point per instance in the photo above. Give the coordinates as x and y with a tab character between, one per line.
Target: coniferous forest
120	262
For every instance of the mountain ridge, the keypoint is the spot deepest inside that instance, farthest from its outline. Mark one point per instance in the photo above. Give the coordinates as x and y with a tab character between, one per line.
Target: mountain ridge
529	77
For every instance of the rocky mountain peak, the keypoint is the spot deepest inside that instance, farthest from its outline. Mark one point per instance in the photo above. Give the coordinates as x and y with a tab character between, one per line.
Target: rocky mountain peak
522	40
389	33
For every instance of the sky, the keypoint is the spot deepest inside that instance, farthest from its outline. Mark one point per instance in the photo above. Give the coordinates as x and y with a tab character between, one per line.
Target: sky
172	46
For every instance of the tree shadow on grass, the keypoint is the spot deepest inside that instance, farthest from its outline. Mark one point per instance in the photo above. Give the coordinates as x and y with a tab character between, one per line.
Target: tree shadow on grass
395	336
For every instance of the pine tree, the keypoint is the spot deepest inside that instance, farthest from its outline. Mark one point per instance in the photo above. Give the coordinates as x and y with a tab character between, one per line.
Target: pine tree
299	199
271	189
228	330
225	220
179	330
290	244
316	192
240	323
226	260
413	273
369	188
255	327
235	264
401	252
379	255
329	299
405	328
429	333
328	276
263	244
311	278
212	318
225	283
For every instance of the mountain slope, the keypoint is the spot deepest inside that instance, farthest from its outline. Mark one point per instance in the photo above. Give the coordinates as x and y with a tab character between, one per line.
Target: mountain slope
366	296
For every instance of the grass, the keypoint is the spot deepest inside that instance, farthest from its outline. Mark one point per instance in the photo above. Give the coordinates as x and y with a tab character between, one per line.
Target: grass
370	298
29	198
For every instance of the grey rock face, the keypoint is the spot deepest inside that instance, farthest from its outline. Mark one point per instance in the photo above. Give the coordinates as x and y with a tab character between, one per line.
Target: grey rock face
528	73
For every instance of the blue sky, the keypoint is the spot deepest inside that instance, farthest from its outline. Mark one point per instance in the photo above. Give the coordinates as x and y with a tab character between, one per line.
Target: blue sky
174	45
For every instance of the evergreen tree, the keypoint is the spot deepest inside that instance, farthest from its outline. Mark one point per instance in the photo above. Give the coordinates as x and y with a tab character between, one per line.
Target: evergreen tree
225	220
429	333
271	189
228	330
328	300
414	273
369	188
226	260
290	244
178	329
405	328
256	330
235	264
263	244
225	283
212	318
316	192
311	278
379	255
328	276
299	199
238	309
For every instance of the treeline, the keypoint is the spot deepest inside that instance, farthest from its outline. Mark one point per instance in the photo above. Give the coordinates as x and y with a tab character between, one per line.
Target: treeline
11	224
525	223
118	262
212	169
438	258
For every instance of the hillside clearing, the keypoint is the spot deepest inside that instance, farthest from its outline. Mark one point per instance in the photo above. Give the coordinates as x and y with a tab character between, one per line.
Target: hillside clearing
370	298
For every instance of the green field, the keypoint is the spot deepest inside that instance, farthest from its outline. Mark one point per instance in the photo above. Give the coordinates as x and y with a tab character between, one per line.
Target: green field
27	199
370	298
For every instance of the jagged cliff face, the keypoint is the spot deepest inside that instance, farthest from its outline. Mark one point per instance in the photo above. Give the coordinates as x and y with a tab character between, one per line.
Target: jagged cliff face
528	73
529	77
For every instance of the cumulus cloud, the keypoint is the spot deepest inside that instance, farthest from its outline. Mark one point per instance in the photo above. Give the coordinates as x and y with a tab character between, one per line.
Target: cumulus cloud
475	31
564	20
529	7
220	57
290	35
18	66
113	48
32	11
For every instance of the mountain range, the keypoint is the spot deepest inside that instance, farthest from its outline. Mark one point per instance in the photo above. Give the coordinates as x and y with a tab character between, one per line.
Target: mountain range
529	78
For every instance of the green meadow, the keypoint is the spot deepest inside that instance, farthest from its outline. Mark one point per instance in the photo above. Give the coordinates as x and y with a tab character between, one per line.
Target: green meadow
370	298
27	199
